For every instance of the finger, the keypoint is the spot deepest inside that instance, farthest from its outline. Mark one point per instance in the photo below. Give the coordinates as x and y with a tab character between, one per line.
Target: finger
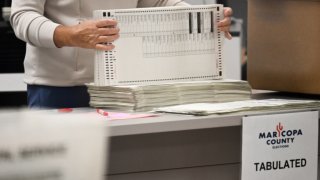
225	22
227	11
228	35
106	23
224	28
105	39
104	47
108	31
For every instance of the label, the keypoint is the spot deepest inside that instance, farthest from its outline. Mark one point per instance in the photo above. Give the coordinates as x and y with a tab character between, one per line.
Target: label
280	146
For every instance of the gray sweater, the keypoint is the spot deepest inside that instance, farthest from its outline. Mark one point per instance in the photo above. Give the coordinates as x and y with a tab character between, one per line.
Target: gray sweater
34	21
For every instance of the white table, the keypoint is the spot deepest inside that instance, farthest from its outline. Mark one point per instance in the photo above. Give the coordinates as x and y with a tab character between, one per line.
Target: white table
178	147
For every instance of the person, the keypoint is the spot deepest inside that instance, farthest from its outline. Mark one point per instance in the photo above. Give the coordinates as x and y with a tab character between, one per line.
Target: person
60	36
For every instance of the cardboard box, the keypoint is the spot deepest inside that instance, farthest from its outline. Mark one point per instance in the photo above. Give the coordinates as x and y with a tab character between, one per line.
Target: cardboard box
284	45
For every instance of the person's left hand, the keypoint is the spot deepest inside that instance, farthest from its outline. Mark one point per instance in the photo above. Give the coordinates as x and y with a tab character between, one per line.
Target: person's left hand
224	25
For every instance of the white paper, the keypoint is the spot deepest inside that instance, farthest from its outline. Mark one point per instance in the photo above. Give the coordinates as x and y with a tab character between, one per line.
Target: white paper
236	106
163	44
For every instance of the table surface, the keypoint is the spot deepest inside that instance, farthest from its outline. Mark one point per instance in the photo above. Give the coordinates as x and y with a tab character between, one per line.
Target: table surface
175	122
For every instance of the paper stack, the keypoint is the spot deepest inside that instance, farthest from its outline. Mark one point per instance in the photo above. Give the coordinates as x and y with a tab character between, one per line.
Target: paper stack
147	97
203	109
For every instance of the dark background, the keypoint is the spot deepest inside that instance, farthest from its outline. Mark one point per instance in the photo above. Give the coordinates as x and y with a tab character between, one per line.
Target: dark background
12	51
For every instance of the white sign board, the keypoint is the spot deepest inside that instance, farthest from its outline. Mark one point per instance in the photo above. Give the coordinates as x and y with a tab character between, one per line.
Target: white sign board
280	146
48	145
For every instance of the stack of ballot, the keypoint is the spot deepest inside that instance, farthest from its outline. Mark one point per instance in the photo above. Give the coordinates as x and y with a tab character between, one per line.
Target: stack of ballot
203	109
147	97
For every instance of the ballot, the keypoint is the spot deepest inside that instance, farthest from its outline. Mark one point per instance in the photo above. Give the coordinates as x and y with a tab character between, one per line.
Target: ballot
147	97
162	45
252	105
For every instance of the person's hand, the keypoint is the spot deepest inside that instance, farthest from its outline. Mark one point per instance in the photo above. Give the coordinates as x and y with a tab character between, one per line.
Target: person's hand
91	34
224	25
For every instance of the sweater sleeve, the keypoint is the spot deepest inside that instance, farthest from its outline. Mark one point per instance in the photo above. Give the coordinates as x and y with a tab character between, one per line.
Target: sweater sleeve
155	3
29	23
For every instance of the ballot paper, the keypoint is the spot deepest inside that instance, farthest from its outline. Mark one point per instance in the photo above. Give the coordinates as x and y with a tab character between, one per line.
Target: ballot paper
162	45
203	109
147	97
48	145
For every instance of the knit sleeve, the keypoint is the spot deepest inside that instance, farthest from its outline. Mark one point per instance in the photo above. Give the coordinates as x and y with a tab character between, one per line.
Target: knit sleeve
29	23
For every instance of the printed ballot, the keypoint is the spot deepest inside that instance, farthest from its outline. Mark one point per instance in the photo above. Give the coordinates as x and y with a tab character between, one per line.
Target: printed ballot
162	45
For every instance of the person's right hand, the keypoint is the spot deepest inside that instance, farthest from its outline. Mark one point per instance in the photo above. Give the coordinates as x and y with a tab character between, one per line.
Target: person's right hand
91	34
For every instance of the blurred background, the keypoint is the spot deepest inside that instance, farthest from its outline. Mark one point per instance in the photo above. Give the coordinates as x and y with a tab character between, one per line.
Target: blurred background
12	51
